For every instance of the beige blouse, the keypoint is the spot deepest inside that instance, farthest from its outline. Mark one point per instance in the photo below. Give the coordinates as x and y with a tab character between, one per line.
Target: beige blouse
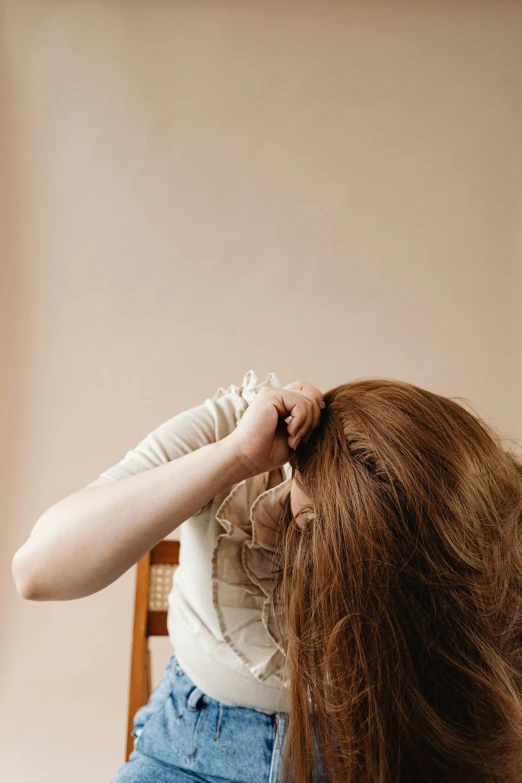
220	622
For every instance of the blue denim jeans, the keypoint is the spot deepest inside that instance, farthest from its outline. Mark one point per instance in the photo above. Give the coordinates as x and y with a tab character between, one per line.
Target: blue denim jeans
183	735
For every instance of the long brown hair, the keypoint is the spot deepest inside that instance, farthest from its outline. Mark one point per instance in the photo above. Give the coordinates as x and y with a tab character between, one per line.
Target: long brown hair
400	602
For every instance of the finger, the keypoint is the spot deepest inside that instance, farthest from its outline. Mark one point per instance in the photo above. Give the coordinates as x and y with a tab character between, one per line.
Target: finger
314	394
302	429
313	417
299	426
316	409
304	386
295	403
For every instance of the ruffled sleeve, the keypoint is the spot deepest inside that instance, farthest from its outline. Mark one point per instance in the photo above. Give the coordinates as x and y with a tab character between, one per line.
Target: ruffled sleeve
248	387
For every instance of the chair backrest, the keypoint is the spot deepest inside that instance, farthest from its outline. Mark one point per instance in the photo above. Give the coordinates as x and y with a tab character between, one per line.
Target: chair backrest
154	574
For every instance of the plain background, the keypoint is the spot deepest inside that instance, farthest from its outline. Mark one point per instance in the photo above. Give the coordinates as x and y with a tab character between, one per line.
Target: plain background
191	189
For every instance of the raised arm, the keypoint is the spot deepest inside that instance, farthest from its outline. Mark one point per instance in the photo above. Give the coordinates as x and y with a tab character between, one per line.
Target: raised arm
90	538
85	541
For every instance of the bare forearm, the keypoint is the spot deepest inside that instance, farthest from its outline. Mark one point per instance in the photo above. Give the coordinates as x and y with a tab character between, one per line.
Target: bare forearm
90	538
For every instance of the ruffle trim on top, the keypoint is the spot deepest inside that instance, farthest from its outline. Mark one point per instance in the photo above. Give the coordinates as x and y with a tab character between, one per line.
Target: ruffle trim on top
249	387
242	560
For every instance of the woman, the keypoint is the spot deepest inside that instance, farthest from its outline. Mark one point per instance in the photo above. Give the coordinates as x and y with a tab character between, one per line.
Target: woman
348	603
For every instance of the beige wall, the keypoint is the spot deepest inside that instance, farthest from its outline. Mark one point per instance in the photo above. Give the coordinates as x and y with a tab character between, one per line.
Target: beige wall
329	190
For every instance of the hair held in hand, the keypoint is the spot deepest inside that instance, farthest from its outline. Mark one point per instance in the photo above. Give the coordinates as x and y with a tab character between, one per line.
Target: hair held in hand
400	601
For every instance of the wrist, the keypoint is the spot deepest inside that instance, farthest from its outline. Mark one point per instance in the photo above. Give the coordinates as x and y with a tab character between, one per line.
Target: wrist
234	466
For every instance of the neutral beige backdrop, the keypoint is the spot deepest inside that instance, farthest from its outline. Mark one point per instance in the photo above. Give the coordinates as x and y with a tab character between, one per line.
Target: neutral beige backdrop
330	190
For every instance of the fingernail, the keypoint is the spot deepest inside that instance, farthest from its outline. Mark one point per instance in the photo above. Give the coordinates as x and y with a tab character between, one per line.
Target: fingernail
323	404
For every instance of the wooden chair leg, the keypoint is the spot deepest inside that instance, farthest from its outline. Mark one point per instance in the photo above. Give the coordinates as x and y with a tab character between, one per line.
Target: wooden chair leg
146	623
148	675
140	677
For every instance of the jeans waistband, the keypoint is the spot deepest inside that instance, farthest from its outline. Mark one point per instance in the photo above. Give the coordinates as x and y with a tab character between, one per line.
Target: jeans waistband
194	698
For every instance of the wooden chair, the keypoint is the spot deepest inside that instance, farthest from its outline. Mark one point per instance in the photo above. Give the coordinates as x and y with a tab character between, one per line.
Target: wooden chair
153	584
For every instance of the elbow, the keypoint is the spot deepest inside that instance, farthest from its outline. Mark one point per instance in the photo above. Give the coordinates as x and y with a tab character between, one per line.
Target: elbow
24	577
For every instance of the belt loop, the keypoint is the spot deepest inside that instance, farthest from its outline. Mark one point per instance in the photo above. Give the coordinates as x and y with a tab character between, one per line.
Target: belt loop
194	699
172	667
176	668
